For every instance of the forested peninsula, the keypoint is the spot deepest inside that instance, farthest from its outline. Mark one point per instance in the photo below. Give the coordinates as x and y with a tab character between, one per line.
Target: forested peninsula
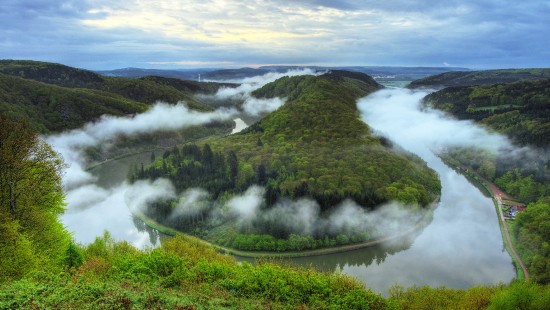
314	146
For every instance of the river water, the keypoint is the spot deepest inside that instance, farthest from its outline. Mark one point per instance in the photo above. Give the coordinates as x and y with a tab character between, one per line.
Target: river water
461	247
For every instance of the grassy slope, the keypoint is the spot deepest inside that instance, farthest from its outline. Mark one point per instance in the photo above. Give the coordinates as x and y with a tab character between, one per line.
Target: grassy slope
317	139
486	77
182	274
185	274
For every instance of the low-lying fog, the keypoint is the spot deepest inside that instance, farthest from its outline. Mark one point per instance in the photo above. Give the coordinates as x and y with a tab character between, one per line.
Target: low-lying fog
461	247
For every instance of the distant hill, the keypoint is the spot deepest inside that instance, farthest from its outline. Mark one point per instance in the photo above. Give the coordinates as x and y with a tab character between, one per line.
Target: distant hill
520	110
486	77
387	72
191	74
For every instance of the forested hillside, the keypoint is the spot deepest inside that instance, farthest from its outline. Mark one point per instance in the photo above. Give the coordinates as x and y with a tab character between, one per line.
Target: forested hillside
50	108
316	145
476	78
519	110
41	267
55	97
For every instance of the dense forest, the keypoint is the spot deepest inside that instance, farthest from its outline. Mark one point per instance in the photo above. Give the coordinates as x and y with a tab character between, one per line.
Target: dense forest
477	78
519	110
314	146
53	97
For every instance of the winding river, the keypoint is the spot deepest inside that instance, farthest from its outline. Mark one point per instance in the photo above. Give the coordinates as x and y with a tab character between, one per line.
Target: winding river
461	247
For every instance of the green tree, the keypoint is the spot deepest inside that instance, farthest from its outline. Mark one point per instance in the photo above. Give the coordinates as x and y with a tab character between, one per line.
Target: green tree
31	199
73	256
233	163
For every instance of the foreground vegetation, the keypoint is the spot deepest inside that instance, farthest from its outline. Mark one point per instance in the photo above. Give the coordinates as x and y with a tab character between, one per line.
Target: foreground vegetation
185	274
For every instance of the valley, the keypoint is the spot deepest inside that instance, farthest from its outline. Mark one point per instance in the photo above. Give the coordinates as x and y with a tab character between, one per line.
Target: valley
260	193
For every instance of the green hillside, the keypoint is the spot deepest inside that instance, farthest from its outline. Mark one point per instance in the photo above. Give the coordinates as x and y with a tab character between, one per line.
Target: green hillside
50	108
317	145
146	90
42	268
520	110
485	77
314	146
54	97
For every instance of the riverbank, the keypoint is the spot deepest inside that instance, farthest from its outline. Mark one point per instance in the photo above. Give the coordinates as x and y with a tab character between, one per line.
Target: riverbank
521	271
426	219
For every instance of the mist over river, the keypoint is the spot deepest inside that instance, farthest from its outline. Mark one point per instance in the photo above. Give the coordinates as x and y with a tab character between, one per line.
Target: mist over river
461	247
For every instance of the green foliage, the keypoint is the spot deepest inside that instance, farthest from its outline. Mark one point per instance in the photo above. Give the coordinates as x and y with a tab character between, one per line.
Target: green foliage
525	178
316	146
524	188
521	295
517	295
16	251
73	256
532	230
294	242
184	274
31	198
53	108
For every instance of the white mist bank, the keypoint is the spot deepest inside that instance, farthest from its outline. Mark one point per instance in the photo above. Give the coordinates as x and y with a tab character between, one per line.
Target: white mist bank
92	208
161	116
462	246
399	114
251	105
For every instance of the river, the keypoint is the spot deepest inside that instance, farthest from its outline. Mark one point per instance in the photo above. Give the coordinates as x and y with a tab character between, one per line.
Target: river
461	247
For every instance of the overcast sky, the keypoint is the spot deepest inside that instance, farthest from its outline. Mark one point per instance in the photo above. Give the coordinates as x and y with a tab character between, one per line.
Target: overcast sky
108	34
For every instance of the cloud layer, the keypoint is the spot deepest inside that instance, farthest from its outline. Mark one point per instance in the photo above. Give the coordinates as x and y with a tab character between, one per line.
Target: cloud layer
243	93
398	113
113	34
